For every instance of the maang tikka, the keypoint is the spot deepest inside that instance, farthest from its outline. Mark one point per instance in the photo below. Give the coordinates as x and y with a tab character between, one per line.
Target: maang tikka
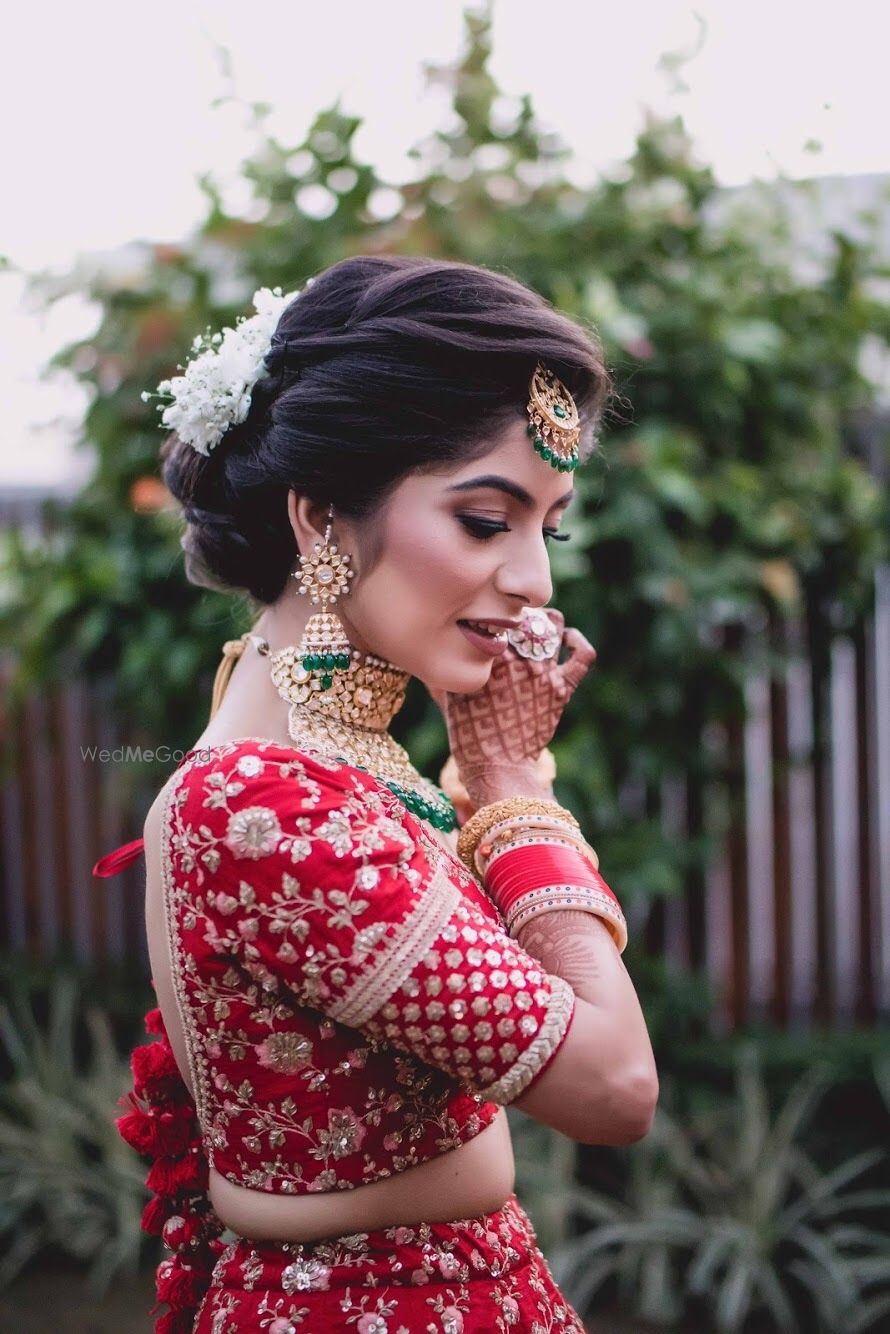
554	424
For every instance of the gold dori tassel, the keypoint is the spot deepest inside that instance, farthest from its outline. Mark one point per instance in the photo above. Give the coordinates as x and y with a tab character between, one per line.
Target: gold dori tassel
231	652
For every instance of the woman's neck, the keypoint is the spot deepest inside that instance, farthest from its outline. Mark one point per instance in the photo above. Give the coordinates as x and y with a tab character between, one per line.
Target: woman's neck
283	622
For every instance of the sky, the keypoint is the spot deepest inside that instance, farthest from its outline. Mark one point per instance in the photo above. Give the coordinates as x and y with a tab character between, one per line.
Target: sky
109	118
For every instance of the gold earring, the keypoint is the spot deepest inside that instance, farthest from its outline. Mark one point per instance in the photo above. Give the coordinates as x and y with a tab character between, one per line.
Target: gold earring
324	576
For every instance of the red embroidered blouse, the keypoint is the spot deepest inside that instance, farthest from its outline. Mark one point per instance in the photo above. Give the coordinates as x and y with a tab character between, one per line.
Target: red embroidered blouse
351	1001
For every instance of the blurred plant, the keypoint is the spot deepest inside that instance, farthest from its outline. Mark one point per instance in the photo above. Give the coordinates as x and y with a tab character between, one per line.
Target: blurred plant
724	1212
67	1179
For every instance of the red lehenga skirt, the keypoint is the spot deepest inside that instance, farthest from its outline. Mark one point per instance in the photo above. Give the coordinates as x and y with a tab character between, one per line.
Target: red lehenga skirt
471	1276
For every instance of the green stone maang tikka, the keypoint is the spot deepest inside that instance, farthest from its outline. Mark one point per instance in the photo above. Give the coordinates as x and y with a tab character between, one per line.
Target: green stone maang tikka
554	425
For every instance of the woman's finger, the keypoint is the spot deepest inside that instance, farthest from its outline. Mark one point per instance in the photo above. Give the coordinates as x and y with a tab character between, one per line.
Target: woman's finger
582	656
556	616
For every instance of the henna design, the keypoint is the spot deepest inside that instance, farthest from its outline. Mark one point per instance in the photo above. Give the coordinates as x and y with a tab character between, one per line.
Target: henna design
568	944
510	721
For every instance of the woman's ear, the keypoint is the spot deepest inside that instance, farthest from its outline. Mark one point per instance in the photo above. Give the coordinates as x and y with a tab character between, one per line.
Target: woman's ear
308	521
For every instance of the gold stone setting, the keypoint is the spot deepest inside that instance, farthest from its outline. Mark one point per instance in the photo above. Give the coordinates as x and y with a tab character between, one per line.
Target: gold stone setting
342	701
368	693
324	574
554	424
349	722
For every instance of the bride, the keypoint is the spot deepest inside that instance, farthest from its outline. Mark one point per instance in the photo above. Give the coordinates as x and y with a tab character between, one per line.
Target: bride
357	969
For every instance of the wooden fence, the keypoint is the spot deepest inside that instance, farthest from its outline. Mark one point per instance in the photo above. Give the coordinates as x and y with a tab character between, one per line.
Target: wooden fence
792	918
791	921
60	810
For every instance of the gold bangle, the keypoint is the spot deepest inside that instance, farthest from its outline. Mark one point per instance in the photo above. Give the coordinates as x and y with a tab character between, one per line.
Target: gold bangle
479	824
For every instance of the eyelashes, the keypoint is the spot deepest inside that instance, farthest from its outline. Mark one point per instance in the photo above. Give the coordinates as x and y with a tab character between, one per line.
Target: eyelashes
487	528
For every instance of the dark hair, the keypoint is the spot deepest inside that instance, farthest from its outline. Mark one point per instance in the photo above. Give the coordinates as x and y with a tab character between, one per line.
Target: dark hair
383	364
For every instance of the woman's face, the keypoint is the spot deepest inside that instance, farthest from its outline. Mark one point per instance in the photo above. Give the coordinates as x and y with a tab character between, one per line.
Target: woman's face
465	542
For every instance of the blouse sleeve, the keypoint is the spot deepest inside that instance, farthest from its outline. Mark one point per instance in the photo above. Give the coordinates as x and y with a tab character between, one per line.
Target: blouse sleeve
315	877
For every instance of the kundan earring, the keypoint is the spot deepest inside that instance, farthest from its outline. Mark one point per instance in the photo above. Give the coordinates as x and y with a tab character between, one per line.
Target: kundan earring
343	700
324	576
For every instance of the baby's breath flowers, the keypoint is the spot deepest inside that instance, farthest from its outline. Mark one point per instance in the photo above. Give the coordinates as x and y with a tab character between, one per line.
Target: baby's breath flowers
214	390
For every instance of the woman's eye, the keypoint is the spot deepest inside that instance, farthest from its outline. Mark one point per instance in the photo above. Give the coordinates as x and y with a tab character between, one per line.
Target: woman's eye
483	528
486	528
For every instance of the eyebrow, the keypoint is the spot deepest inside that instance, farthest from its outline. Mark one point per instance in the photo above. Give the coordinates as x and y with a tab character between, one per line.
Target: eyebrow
510	488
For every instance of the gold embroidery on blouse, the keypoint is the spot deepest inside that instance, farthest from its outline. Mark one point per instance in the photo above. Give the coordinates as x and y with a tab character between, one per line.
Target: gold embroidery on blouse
204	1004
538	1053
406	944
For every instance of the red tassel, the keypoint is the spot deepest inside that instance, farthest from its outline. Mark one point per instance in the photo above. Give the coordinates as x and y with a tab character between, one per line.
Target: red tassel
138	1129
167	1131
155	1215
156	1075
161	1123
176	1322
181	1229
176	1130
175	1176
153	1060
154	1021
179	1284
114	862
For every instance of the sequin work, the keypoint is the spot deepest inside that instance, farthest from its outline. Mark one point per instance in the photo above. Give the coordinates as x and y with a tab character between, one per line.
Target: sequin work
351	1001
481	1275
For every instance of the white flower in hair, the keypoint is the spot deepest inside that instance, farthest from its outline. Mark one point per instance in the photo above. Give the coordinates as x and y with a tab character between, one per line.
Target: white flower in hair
214	390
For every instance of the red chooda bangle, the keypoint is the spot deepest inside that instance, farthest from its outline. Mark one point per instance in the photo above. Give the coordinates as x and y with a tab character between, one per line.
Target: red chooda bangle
514	873
527	881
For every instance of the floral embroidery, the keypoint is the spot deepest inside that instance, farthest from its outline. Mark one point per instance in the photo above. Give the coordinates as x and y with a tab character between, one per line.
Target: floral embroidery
468	1276
343	1136
253	833
303	1275
285	1052
249	766
351	1002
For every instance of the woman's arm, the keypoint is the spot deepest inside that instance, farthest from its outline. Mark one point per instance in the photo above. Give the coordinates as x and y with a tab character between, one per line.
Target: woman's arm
601	1087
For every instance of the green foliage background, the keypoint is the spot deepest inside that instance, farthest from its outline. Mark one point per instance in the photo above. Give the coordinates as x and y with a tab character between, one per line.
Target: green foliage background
725	486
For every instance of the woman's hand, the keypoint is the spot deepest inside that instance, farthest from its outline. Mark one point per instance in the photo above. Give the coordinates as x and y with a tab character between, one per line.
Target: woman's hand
497	734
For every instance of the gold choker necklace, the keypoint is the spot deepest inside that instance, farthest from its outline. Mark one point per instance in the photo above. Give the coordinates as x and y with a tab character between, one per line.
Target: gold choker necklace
347	719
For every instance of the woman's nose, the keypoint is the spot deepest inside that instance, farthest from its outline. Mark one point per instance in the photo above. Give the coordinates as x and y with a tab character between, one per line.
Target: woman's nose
527	576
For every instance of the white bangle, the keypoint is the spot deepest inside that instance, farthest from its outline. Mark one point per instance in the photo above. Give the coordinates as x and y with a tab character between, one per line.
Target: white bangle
580	898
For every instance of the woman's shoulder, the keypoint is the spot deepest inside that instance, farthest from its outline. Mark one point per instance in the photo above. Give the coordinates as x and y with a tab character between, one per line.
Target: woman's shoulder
252	760
212	771
253	776
263	809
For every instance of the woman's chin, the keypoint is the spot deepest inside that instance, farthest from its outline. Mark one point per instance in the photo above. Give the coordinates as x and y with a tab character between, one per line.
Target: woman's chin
464	680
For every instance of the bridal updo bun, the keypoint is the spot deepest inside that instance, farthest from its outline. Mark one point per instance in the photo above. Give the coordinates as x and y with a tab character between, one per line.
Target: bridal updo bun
382	365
